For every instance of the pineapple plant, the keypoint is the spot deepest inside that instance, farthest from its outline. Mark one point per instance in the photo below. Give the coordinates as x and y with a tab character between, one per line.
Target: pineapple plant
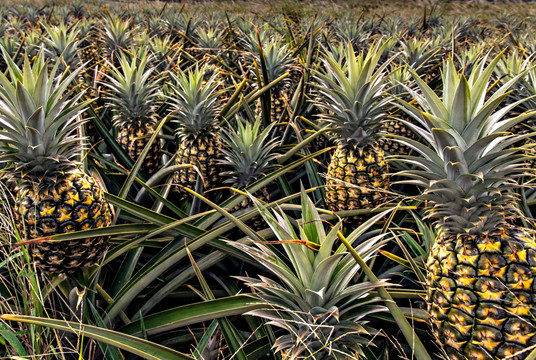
133	97
194	110
40	150
33	41
164	52
310	294
421	54
481	269
248	151
351	99
354	32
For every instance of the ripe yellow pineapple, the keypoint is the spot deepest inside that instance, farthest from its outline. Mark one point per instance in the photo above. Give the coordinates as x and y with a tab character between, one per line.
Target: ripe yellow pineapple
40	147
481	270
352	101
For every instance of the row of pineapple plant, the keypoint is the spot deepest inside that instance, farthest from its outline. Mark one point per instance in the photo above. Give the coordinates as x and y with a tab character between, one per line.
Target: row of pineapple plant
225	107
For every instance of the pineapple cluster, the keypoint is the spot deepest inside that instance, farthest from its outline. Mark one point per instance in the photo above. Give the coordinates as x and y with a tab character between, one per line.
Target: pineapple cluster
261	146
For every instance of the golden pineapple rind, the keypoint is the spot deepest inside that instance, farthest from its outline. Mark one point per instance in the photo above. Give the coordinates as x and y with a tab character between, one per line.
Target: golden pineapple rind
482	294
393	147
133	140
279	105
74	203
205	154
364	168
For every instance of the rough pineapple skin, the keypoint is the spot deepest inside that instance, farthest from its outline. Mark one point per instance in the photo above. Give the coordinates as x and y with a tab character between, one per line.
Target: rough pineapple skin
366	168
280	102
133	140
203	152
482	294
74	203
90	55
398	128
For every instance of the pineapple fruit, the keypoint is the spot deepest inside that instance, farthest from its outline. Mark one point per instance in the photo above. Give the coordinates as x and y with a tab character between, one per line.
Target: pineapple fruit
195	107
40	148
133	96
397	77
351	100
481	270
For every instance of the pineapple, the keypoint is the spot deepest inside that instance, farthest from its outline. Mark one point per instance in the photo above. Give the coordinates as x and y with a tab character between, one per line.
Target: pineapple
397	77
481	269
195	107
10	42
118	36
278	60
88	46
248	152
61	45
310	295
132	95
352	101
209	41
164	53
507	68
40	147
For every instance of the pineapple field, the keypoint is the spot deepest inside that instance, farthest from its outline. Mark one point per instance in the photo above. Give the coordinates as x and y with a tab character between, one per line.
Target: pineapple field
267	180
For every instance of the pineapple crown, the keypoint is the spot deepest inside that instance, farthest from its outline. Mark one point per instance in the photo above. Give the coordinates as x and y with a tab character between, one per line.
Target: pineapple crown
209	38
61	43
399	77
118	34
40	121
10	43
194	103
310	291
161	46
277	57
351	95
355	32
469	169
132	90
419	54
512	64
248	152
